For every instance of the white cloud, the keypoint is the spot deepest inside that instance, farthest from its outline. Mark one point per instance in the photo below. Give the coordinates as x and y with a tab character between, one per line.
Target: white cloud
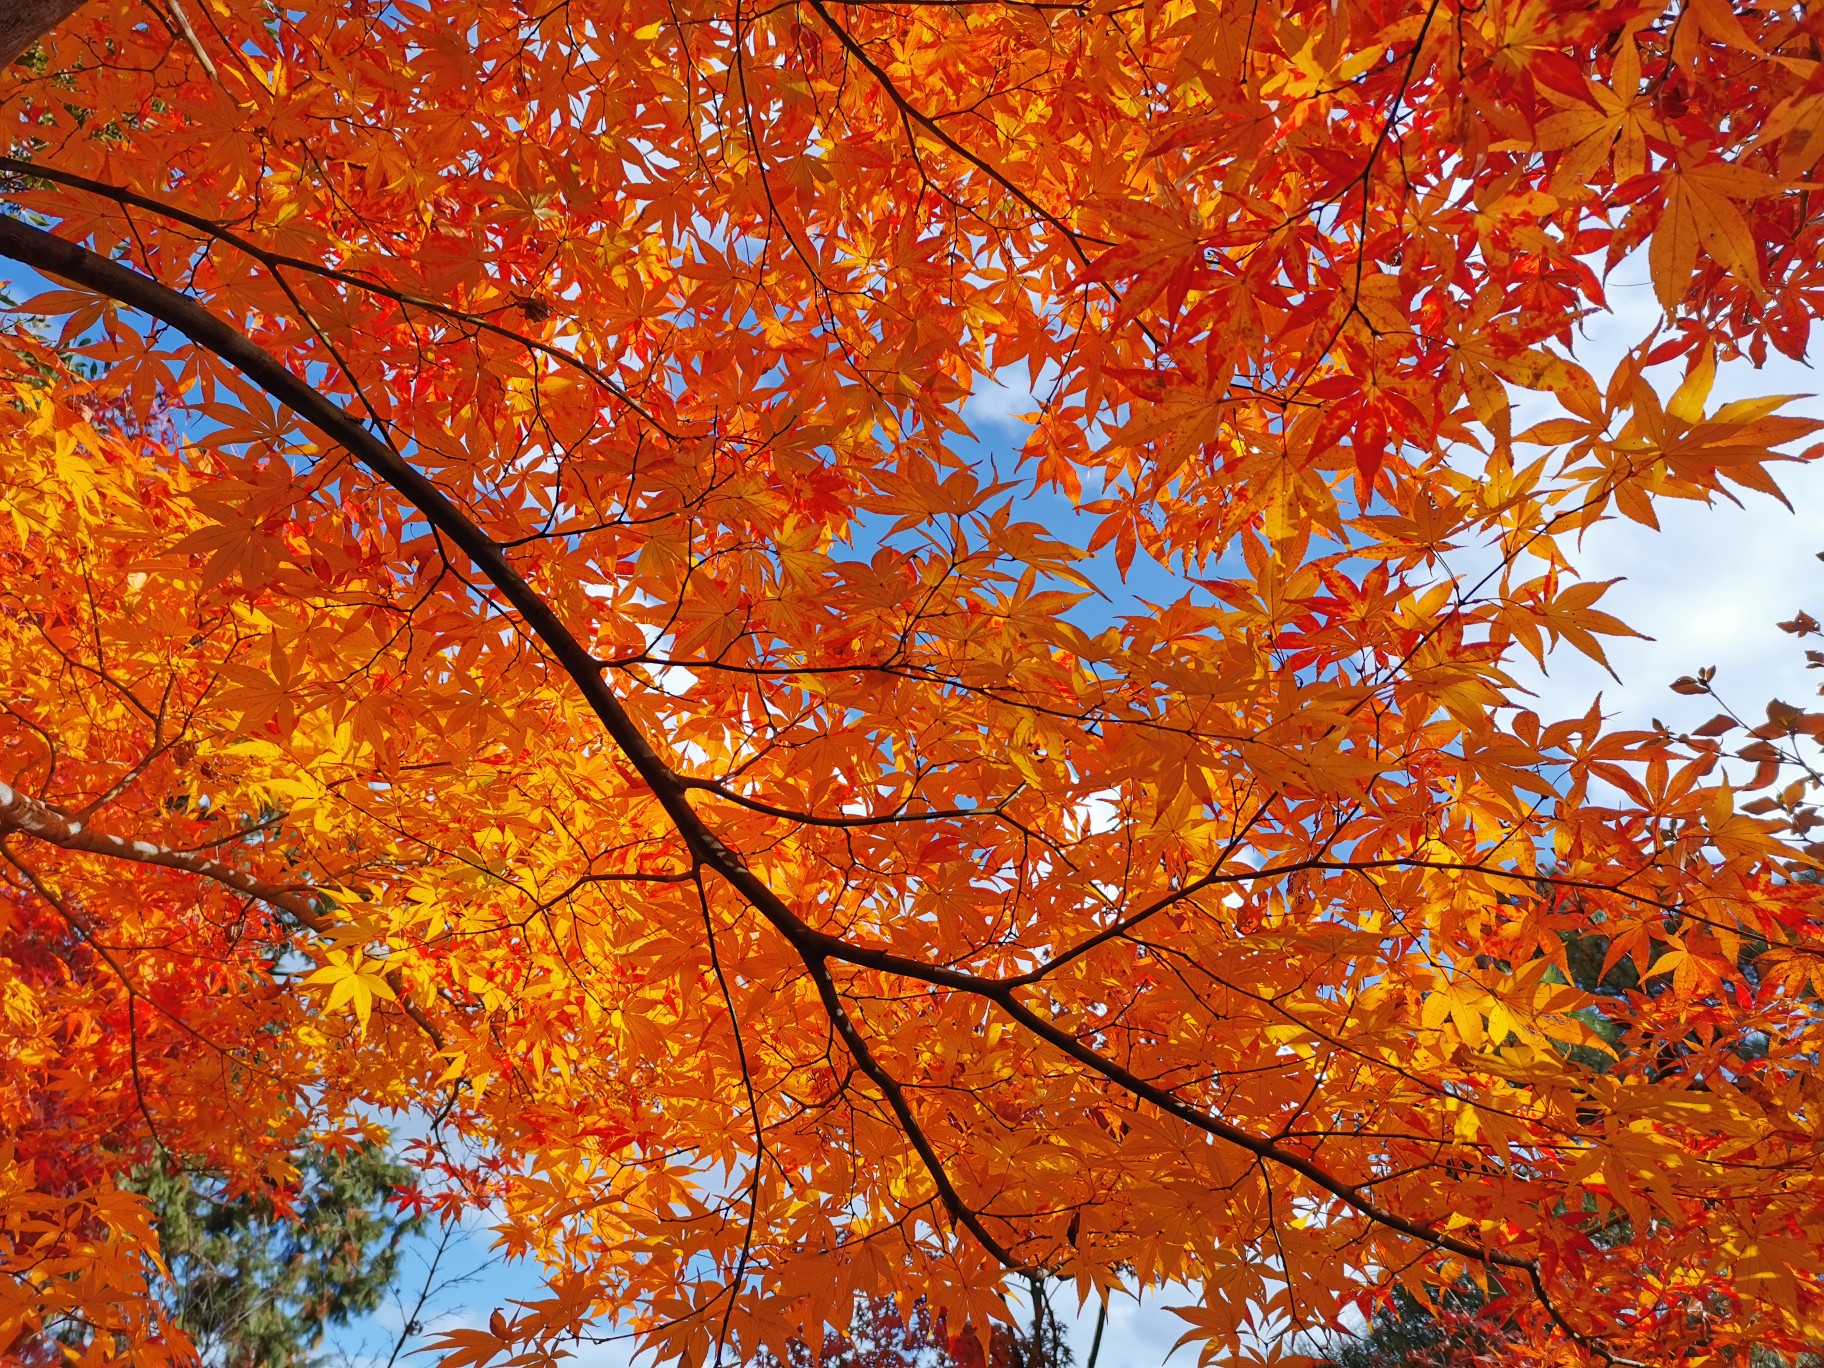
996	403
1709	586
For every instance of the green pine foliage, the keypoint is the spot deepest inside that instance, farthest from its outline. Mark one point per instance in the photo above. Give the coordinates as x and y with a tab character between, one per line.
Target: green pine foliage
257	1284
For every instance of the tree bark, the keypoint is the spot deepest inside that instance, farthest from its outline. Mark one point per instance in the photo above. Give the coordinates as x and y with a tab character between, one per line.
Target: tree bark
24	22
22	813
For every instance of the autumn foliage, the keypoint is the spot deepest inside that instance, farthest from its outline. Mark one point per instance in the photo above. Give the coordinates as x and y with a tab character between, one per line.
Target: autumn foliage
507	633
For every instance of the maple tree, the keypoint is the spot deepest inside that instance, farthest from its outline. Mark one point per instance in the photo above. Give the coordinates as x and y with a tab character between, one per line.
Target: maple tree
879	1333
505	624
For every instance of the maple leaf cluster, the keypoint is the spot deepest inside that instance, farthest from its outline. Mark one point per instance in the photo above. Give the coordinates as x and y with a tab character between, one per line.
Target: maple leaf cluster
504	623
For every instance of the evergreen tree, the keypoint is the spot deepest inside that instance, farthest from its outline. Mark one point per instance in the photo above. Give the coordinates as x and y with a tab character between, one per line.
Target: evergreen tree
1461	1333
257	1280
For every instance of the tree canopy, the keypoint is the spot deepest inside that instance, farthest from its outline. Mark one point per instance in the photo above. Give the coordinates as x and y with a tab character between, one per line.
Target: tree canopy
507	634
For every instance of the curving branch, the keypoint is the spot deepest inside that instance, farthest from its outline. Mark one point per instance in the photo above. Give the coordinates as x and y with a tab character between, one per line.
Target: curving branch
28	816
52	255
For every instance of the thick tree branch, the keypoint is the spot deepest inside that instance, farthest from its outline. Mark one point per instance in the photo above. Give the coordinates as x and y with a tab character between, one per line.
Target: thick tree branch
28	816
24	22
54	256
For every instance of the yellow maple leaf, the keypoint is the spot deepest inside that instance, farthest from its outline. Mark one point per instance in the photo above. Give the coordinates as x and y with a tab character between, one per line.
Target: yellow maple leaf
352	983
